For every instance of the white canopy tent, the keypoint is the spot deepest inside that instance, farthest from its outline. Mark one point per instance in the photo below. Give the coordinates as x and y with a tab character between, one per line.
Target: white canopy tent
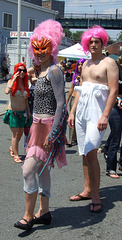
74	52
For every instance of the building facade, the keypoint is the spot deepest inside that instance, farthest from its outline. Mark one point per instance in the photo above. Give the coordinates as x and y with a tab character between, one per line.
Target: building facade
37	2
55	5
115	48
31	16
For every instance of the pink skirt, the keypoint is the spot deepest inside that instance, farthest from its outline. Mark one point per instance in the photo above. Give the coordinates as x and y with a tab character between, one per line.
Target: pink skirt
39	130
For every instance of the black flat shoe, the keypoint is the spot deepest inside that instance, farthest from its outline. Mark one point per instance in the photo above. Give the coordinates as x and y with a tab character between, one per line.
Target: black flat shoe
45	219
69	144
23	226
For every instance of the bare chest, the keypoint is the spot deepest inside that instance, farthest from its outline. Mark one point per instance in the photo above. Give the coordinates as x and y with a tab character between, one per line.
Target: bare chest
95	73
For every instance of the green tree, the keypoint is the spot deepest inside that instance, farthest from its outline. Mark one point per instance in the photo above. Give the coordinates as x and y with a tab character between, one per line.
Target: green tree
67	32
74	36
110	41
77	36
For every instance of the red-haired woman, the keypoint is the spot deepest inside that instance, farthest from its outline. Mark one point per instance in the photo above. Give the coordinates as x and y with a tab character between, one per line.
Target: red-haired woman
15	116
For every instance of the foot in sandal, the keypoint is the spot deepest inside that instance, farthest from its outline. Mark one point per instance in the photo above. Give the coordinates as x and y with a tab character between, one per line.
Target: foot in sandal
95	207
79	197
11	152
17	159
112	174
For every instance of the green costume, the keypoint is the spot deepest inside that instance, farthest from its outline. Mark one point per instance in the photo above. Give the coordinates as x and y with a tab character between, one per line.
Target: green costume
15	119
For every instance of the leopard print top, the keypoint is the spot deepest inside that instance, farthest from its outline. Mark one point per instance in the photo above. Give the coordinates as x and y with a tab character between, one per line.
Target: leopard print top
44	100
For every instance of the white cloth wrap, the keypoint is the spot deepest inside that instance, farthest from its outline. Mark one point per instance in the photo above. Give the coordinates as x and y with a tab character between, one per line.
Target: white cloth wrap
92	101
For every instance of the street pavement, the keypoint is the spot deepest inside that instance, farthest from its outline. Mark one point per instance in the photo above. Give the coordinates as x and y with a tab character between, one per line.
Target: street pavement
70	220
4	99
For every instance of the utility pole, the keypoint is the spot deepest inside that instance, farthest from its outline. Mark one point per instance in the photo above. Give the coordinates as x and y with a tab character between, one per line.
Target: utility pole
18	30
89	14
116	13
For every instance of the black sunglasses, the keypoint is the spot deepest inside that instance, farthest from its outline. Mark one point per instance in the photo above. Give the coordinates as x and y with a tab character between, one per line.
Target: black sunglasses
20	70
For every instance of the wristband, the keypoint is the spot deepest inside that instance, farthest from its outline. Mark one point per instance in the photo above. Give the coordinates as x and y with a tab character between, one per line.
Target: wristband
118	98
9	87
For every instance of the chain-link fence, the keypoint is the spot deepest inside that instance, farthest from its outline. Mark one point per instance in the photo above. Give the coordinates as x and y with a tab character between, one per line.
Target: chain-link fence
11	53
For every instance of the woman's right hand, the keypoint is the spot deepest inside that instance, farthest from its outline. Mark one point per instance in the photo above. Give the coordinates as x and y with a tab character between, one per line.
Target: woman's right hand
10	83
70	120
47	145
15	76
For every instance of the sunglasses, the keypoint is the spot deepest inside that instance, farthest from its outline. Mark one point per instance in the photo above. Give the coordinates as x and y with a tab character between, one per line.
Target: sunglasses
21	70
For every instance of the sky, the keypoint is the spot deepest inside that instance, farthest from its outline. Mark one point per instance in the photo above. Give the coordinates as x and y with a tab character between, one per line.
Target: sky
94	6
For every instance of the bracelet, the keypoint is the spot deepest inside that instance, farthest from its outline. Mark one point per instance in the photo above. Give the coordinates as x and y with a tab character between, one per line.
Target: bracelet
118	98
9	87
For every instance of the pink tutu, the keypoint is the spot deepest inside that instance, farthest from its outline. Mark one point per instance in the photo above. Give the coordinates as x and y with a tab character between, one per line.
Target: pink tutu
39	130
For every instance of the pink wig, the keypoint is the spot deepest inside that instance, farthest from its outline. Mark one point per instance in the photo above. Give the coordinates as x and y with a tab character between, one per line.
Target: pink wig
97	32
48	29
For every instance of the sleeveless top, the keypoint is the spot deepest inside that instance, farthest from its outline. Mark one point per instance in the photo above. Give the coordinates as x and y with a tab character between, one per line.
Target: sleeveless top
44	100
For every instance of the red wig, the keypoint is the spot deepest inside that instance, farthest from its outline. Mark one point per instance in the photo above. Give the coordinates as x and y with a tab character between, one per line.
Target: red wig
25	80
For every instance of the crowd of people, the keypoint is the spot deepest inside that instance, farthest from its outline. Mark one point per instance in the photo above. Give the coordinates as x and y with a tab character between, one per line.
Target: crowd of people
95	99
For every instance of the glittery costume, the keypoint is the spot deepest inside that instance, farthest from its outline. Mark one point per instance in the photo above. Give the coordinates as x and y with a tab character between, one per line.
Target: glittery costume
52	128
44	101
92	101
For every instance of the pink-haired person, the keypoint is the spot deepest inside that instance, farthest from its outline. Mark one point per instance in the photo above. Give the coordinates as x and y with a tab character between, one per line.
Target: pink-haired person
47	133
93	103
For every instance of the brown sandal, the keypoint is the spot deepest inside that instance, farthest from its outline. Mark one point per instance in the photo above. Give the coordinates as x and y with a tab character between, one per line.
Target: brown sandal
93	205
11	152
78	197
17	160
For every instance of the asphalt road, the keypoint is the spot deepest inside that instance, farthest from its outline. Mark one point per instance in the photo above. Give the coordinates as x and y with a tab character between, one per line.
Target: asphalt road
70	220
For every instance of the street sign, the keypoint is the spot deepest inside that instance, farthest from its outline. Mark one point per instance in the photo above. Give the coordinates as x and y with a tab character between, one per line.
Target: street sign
22	34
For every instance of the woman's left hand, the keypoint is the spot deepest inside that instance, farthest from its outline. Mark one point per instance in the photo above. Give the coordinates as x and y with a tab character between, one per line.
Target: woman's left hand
29	114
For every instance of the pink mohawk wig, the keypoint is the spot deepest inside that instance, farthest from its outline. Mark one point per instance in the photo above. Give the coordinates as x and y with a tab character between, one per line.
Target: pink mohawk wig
52	30
95	31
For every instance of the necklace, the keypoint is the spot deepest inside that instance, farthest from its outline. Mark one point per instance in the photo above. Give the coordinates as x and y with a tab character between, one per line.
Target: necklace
36	73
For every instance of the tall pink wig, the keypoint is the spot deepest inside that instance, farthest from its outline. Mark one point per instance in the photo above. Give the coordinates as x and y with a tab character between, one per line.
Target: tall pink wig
52	30
95	31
